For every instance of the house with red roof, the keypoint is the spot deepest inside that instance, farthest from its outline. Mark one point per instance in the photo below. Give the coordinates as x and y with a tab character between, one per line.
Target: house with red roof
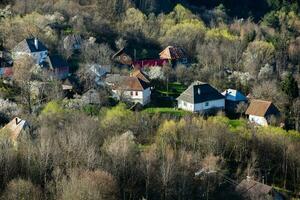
130	88
174	53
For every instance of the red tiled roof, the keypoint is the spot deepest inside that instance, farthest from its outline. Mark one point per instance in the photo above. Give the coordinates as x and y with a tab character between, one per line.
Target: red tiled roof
172	53
139	74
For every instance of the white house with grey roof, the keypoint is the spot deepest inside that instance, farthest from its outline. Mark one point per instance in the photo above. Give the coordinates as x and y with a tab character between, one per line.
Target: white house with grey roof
201	97
32	47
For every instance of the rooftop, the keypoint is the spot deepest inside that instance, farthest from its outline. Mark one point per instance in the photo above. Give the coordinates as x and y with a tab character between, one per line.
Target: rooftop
28	45
261	108
199	92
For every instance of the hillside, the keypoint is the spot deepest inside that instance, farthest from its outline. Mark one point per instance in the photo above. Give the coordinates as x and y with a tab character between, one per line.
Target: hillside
149	99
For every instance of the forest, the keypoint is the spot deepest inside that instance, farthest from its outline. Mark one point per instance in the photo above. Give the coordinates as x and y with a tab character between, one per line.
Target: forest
73	149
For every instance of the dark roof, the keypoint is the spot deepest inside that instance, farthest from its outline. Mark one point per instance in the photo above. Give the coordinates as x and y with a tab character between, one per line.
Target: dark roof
234	95
122	57
57	62
199	92
262	108
27	45
254	190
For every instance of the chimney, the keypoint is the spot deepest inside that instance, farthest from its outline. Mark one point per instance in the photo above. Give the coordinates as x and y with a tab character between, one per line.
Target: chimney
36	43
249	178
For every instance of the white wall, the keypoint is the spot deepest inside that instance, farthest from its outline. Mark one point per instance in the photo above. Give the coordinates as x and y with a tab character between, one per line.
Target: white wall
258	120
39	57
142	97
219	104
186	106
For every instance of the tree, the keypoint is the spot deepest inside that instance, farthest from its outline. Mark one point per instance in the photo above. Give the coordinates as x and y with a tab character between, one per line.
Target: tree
122	155
21	189
241	108
296	113
257	55
22	75
89	185
290	86
94	53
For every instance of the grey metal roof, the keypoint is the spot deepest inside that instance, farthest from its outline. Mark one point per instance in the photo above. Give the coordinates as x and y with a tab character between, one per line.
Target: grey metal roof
199	92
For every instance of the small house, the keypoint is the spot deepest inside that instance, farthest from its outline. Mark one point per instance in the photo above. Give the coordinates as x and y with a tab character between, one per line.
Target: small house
201	97
98	72
260	112
72	42
232	99
253	190
91	96
32	47
129	88
174	53
122	57
14	128
57	66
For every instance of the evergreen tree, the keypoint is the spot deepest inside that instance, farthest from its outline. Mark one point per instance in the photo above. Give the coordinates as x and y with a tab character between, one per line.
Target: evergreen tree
290	86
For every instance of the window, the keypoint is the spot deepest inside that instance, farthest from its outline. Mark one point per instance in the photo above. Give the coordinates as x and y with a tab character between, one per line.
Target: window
131	93
206	104
184	103
136	93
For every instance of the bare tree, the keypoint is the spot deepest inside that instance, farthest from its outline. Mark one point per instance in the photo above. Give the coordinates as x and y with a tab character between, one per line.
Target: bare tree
21	189
89	185
23	68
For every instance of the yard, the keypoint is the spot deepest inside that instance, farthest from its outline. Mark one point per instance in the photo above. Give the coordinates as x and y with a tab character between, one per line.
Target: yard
166	97
174	89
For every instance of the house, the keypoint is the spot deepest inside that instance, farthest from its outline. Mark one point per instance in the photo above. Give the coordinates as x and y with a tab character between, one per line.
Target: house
5	64
129	88
233	98
14	128
260	112
72	42
141	64
32	47
141	75
98	72
174	53
122	57
201	97
91	96
253	190
57	66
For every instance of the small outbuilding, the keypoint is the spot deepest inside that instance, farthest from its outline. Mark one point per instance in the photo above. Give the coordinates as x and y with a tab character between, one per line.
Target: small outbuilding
253	190
261	112
232	99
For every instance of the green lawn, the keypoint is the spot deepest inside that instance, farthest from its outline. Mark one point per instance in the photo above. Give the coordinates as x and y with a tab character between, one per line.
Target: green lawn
175	89
170	111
